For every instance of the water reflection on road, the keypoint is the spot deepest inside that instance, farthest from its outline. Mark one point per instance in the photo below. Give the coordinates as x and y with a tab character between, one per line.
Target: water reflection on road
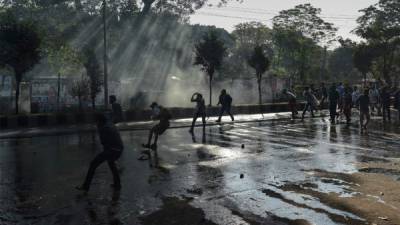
275	172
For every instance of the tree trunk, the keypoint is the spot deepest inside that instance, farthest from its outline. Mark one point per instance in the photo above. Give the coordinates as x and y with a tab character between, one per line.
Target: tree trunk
365	80
78	5
18	82
210	89
259	93
58	92
94	104
80	103
147	6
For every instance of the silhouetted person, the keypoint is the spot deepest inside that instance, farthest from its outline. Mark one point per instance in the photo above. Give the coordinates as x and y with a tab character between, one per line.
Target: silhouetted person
225	100
397	102
116	109
385	100
112	150
310	102
374	99
292	102
355	95
347	104
200	110
364	103
333	102
162	114
324	95
340	89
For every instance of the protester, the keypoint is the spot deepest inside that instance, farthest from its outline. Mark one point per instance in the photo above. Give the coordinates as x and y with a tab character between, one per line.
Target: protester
397	102
324	95
333	102
340	89
311	102
364	103
116	109
355	95
292	102
347	104
162	114
225	100
112	150
385	101
199	111
374	100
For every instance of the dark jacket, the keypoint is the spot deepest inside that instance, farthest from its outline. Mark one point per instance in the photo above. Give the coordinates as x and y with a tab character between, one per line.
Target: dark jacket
110	138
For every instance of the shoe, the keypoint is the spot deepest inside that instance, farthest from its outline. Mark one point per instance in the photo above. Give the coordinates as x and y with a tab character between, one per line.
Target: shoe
146	152
82	188
218	121
153	147
146	145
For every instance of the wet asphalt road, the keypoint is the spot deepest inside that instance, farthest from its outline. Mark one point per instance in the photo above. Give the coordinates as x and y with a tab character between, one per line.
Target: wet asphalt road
232	174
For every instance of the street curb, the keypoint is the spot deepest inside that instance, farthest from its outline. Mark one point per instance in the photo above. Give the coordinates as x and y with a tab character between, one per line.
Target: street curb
62	119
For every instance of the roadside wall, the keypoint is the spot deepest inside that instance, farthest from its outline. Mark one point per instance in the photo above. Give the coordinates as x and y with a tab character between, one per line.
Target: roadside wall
60	119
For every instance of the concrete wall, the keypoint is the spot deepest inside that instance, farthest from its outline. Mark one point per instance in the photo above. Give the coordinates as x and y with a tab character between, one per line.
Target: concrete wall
59	119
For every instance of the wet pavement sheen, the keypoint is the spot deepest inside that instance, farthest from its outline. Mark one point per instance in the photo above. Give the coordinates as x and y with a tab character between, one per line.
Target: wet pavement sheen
242	173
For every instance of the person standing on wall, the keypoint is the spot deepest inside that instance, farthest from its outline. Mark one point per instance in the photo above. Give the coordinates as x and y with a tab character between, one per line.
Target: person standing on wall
116	109
225	100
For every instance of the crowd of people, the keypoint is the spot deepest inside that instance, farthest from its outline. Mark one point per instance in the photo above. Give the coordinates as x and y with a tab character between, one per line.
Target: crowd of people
342	99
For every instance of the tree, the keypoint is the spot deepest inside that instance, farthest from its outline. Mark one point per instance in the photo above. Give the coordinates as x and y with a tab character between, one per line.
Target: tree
302	29
363	58
340	63
305	19
63	60
380	26
19	49
94	74
209	53
260	62
80	90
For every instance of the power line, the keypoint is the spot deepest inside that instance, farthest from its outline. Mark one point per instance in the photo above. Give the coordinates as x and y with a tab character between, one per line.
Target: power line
275	13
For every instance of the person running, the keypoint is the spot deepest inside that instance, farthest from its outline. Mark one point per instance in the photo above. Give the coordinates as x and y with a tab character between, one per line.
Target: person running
116	109
385	100
199	111
225	100
333	103
324	95
112	150
374	100
292	102
310	102
347	104
364	102
162	114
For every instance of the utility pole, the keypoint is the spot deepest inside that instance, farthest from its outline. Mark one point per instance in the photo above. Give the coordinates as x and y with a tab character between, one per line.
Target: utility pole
323	65
105	54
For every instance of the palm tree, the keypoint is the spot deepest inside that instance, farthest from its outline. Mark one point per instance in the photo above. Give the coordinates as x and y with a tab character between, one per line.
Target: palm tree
260	62
210	52
19	49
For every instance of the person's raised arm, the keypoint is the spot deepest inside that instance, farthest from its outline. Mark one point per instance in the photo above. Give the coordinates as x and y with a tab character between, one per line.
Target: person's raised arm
193	99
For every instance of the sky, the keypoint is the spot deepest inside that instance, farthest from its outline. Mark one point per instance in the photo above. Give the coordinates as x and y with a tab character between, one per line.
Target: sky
343	13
